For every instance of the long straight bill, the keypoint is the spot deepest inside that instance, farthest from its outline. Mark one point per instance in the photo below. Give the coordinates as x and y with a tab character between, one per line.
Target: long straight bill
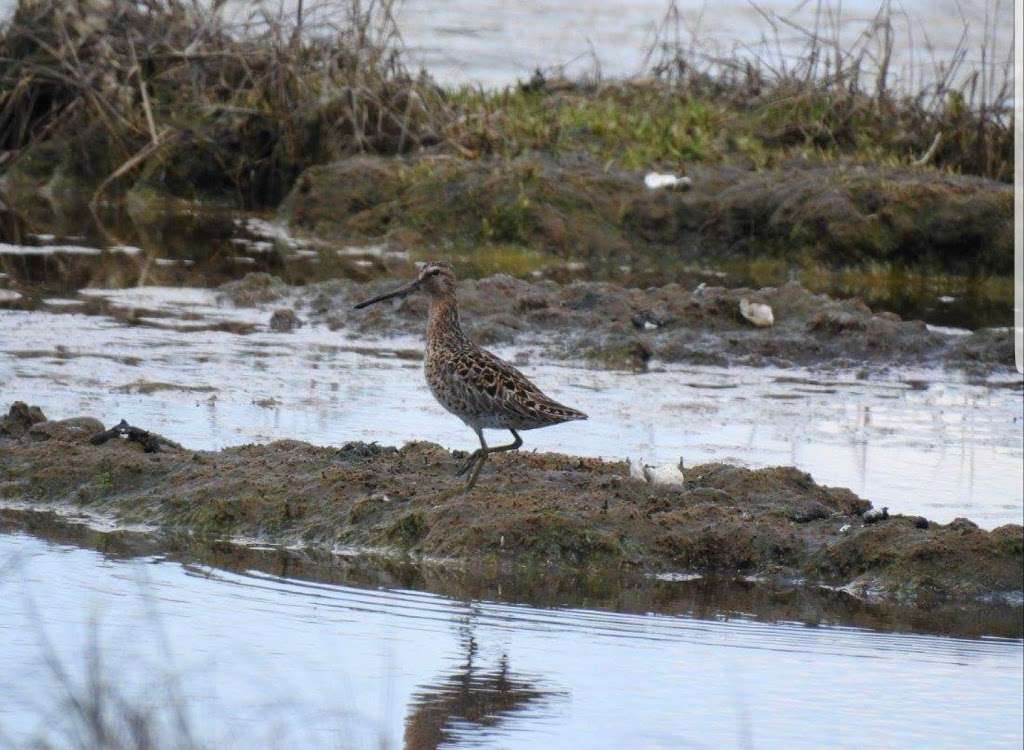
400	292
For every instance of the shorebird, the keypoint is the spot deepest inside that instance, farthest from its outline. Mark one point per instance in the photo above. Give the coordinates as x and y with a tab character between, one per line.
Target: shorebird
482	390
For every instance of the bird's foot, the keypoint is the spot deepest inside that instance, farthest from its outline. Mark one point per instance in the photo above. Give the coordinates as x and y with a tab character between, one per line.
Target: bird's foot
469	463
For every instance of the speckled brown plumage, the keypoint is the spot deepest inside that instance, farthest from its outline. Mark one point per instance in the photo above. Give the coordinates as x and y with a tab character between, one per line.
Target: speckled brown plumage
482	390
479	388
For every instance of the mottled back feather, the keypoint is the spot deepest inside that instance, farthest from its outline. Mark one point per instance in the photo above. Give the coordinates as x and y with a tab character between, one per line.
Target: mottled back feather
478	387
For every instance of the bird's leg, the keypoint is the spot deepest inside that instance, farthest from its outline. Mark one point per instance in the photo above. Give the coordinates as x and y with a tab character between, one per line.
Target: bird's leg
510	447
479	454
485	451
476	473
468	463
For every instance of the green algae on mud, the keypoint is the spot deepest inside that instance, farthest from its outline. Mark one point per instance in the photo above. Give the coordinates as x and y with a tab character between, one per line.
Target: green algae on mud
549	510
810	214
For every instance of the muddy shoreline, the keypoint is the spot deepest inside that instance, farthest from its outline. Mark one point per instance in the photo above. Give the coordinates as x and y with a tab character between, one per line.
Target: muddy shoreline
618	590
614	326
547	510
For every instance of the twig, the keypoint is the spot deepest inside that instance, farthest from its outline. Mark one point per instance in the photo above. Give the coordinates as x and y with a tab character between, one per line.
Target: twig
142	89
927	155
148	150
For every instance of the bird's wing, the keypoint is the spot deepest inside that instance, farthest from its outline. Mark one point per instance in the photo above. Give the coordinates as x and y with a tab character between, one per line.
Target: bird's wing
494	386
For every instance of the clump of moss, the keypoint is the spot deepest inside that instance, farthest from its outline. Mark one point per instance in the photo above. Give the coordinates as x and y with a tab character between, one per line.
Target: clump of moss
752	123
408	530
631	126
531	202
571	207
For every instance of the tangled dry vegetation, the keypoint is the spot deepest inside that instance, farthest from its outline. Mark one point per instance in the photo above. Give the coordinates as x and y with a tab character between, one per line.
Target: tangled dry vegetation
179	97
173	91
815	85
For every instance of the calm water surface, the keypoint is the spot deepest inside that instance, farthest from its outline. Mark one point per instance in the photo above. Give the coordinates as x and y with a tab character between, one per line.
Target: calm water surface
264	660
496	43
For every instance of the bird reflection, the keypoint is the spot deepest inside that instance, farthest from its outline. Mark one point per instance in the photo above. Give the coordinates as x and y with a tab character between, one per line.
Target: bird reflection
470	695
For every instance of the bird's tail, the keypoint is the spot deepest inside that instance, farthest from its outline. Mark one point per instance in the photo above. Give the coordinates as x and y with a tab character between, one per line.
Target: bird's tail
563	413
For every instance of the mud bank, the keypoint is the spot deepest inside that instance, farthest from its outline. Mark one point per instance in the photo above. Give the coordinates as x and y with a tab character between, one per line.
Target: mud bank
619	327
573	206
538	509
621	590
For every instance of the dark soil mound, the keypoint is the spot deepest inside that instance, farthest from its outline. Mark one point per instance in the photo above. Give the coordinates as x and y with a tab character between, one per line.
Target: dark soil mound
573	207
538	508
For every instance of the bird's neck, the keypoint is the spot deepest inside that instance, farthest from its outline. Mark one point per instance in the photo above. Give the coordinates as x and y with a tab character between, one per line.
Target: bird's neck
443	328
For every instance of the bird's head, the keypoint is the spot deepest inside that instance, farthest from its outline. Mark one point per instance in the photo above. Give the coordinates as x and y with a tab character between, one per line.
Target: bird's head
436	279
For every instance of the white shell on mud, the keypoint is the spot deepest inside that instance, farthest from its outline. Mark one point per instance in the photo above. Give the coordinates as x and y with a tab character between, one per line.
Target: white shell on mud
658	181
757	313
664	474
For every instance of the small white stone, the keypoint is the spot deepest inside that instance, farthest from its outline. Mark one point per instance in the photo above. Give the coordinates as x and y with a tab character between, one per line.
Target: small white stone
649	326
757	313
845	528
658	181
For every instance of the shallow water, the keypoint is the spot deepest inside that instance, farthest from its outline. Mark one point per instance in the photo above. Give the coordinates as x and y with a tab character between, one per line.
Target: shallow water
49	253
494	42
919	442
267	660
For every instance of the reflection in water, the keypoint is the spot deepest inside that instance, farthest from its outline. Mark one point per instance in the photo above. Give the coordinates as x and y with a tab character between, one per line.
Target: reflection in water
266	661
468	699
58	254
209	247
